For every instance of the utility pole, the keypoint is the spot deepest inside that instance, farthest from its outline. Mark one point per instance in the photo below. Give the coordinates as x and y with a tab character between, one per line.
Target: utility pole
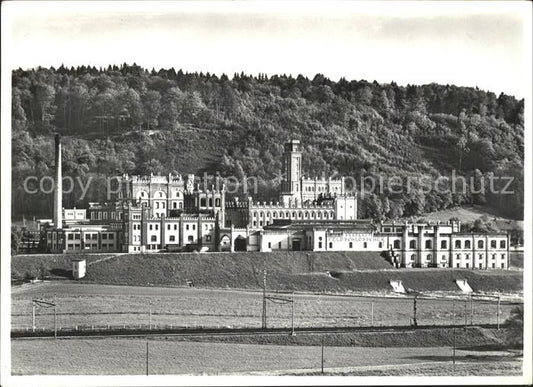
147	356
453	356
322	357
55	318
498	313
264	317
150	314
292	316
45	304
471	309
33	315
453	312
466	315
414	311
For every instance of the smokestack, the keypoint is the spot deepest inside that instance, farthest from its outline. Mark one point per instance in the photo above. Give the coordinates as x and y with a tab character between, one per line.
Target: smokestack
58	194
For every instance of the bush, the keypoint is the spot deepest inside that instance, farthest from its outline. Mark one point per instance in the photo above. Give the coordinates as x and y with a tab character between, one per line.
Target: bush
515	330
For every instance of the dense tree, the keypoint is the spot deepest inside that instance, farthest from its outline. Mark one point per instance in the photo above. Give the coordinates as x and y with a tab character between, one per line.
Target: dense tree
200	122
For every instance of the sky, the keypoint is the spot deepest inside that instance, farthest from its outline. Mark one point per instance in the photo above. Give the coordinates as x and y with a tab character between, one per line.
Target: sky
466	44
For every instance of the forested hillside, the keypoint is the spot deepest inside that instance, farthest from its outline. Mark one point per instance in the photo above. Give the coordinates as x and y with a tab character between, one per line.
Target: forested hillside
128	119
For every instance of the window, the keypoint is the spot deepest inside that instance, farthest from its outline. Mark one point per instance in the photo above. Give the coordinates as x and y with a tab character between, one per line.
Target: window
104	236
413	257
503	265
175	227
208	238
269	245
481	265
156	204
190	238
479	244
210	202
351	245
467	245
186	227
194	227
70	237
467	265
502	244
77	236
396	244
457	265
330	245
503	256
203	202
217	202
174	205
412	244
111	236
443	245
279	245
151	227
153	238
428	244
365	245
168	226
467	256
492	244
428	257
458	244
380	245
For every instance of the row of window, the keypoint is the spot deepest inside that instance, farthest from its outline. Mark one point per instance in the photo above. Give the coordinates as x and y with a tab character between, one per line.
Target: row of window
208	202
77	236
172	238
330	244
92	246
320	188
295	214
458	244
458	256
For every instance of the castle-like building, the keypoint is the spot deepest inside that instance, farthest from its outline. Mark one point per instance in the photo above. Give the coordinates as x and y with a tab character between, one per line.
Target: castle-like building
172	213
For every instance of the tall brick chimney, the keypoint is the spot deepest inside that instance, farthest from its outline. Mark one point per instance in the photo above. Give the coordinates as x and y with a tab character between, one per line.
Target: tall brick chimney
58	198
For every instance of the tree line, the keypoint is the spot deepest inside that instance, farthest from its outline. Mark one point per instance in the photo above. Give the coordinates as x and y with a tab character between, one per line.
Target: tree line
127	119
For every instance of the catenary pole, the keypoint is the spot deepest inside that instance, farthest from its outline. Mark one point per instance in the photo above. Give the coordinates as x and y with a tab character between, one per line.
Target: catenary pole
33	315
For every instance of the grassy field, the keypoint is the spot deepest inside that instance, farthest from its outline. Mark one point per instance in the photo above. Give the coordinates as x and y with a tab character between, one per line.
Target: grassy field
128	356
495	367
470	214
471	337
99	305
299	271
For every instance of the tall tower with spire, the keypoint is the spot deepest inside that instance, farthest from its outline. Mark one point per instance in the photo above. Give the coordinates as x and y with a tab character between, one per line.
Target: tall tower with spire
292	173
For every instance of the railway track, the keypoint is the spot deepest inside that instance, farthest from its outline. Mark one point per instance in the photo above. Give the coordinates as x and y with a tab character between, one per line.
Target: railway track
144	332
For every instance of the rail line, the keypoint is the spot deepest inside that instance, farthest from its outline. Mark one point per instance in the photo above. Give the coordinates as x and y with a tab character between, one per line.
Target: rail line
120	332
